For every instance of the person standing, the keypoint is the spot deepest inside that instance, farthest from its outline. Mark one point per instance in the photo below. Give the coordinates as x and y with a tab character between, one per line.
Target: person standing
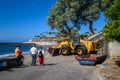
18	54
41	56
33	53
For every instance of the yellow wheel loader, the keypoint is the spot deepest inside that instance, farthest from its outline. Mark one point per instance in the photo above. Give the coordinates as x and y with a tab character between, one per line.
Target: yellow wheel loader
76	46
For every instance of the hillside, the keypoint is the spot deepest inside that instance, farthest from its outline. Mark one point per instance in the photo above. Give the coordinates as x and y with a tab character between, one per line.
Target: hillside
43	40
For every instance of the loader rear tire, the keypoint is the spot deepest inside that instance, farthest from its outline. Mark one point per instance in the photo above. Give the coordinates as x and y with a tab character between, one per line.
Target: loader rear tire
81	51
65	50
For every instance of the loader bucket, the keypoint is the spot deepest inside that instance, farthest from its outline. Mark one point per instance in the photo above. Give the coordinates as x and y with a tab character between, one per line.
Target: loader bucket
53	51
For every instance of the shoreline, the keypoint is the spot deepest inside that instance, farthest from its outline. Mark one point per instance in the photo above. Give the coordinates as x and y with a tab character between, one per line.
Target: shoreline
6	53
12	54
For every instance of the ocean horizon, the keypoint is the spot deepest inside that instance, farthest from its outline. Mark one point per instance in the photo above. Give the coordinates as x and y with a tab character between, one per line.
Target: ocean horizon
7	49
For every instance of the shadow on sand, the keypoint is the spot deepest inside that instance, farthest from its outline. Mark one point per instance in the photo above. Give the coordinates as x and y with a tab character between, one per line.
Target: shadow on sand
50	64
11	68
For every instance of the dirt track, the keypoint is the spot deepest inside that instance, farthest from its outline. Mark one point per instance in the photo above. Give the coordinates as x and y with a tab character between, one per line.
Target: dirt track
55	68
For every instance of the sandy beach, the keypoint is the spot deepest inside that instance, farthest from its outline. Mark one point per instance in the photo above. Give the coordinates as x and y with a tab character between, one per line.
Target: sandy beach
55	68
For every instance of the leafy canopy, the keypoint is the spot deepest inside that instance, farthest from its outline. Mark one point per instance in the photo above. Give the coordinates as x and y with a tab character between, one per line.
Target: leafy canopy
112	27
67	16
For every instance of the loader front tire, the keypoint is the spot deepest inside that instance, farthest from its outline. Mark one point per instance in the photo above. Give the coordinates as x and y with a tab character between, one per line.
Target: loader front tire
65	50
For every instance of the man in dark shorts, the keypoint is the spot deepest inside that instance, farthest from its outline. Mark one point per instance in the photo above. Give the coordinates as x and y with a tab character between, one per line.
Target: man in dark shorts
18	54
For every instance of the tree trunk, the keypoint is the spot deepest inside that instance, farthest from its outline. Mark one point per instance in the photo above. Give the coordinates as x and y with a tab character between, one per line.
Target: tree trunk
91	28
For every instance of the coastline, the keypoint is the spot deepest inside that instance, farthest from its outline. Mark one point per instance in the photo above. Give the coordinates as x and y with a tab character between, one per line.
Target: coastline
7	49
12	54
44	43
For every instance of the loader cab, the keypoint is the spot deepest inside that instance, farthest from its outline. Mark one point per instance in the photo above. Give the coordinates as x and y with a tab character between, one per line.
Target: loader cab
76	40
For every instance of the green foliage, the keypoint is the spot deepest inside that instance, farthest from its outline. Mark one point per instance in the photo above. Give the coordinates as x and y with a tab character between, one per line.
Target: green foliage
91	13
113	13
67	16
85	35
112	27
104	4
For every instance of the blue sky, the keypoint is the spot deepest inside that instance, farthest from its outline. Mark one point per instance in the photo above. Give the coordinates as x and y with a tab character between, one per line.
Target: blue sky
21	20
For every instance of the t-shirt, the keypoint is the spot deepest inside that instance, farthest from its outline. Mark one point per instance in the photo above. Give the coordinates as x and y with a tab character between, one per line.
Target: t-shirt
17	52
33	50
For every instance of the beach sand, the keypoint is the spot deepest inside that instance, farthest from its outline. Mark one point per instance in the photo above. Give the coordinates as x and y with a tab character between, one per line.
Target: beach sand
55	68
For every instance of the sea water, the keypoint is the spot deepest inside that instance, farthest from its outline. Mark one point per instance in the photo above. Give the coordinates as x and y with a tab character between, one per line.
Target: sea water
8	49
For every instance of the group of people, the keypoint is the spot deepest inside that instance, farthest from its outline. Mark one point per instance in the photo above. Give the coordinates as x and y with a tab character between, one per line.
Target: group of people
34	53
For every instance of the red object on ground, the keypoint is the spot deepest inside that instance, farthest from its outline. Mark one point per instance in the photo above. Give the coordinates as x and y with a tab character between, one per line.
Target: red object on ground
78	57
86	57
91	59
40	60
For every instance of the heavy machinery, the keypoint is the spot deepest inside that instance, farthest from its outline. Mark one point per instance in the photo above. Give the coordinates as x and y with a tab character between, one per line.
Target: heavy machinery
76	46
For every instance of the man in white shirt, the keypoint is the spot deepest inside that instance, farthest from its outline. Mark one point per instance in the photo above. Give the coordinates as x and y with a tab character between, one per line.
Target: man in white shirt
33	53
